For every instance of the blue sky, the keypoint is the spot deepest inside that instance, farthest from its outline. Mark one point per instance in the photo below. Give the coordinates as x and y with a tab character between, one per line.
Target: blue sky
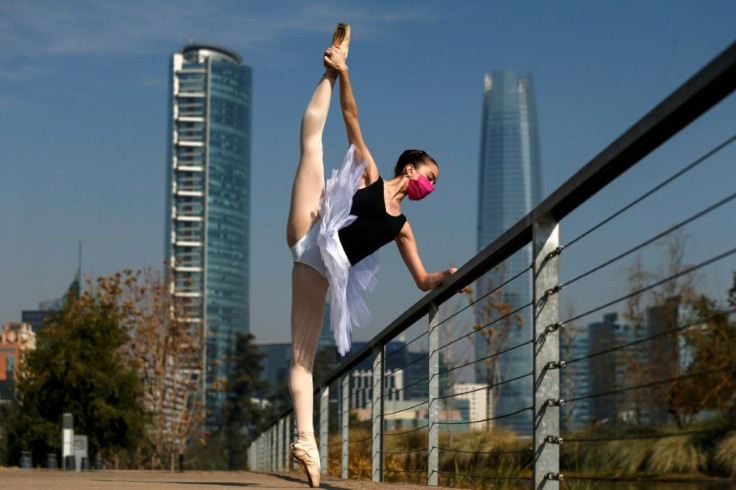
83	121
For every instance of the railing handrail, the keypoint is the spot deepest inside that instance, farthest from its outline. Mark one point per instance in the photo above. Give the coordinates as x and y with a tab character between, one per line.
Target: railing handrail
707	87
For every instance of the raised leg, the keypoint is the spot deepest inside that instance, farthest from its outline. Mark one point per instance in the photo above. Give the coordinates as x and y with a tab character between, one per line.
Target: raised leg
309	181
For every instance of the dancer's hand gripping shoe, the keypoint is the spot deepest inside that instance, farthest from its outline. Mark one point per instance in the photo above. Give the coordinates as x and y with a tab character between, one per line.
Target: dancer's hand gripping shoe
308	457
336	55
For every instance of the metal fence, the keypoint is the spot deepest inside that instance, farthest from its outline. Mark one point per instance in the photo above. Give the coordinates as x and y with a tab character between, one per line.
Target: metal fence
362	401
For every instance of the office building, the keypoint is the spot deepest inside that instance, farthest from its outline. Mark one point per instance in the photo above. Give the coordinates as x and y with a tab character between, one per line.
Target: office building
611	369
575	377
15	338
640	354
208	202
39	319
479	402
509	187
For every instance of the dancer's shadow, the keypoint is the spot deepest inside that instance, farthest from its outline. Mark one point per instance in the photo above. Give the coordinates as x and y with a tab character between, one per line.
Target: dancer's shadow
280	476
210	483
322	484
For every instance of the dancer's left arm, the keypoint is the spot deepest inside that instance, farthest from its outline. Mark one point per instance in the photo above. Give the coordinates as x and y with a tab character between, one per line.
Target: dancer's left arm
336	59
409	252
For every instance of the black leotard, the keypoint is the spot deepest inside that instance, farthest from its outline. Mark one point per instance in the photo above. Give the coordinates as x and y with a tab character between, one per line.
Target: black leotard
373	227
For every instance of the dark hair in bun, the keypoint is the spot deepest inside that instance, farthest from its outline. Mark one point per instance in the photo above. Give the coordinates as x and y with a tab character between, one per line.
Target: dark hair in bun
412	157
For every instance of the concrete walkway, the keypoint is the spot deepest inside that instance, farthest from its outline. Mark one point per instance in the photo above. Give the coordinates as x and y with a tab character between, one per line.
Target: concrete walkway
61	480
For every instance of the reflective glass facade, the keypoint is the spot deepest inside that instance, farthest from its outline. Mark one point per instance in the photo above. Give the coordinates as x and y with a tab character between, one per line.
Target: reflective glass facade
510	186
208	200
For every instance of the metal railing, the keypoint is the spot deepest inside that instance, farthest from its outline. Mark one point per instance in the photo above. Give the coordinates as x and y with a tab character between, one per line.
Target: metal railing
540	458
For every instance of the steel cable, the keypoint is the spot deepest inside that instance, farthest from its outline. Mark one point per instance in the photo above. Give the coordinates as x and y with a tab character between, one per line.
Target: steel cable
656	188
640	436
388	356
421	358
406	409
487	387
527	305
488	419
649	385
408	386
651	286
654	238
407	452
405	432
475	301
370	402
521	451
654	336
487	357
356	441
405	471
492	477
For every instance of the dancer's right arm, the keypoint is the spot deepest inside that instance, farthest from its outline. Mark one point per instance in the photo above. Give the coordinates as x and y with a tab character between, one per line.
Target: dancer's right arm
336	59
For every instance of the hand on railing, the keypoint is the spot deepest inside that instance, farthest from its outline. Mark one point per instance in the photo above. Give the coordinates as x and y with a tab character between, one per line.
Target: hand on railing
448	273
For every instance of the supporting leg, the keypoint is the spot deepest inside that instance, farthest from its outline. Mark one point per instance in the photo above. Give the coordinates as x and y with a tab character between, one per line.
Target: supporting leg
309	289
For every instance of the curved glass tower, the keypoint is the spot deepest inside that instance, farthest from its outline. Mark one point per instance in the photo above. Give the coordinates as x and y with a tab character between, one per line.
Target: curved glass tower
510	186
208	201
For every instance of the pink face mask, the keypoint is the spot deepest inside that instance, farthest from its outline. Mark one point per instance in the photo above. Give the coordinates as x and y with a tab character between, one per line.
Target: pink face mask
419	188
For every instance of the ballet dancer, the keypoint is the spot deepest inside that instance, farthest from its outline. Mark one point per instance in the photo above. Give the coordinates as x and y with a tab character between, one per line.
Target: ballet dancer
333	230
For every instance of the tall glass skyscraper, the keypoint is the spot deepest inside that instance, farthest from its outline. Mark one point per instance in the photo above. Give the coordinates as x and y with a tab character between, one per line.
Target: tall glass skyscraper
510	186
208	201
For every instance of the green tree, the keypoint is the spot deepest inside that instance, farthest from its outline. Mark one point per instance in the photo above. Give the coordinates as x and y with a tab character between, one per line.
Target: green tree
712	343
240	413
79	368
165	346
689	358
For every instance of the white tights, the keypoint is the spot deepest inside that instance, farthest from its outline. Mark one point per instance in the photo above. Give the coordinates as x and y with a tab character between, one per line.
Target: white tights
308	287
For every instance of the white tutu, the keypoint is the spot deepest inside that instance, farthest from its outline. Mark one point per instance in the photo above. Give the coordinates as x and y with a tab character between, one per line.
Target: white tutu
348	284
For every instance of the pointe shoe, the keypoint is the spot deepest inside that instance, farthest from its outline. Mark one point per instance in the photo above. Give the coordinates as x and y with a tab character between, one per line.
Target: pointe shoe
308	457
341	37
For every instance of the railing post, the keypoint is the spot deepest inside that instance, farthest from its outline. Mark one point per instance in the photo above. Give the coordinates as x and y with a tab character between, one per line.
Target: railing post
288	436
433	405
280	446
270	448
547	400
345	392
274	452
377	409
274	446
324	415
260	452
